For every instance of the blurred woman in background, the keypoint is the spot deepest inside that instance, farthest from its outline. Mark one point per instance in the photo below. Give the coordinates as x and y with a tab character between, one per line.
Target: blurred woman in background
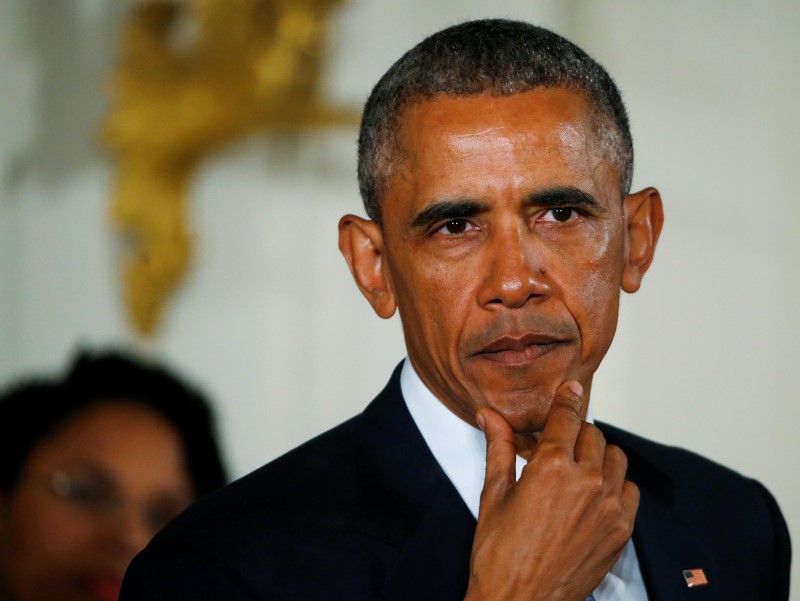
90	469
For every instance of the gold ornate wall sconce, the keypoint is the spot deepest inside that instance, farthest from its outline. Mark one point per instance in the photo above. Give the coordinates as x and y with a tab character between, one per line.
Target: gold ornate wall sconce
192	76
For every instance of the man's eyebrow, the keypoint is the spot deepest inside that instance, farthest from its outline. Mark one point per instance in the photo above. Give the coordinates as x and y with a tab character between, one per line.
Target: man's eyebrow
447	209
444	210
564	197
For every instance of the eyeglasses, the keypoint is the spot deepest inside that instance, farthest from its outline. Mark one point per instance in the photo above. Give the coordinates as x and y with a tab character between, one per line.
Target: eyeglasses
97	495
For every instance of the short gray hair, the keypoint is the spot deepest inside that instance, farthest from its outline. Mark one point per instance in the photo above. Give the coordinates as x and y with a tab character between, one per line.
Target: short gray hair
494	56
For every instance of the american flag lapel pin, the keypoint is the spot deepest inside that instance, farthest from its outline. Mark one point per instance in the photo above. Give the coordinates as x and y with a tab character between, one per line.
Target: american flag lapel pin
695	577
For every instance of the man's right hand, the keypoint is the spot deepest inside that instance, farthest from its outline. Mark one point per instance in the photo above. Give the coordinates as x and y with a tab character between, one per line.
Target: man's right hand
554	534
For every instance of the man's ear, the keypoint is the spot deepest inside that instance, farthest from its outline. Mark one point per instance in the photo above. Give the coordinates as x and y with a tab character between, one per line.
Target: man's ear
644	216
361	243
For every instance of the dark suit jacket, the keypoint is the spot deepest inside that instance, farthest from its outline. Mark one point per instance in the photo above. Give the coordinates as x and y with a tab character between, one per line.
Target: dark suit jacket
365	512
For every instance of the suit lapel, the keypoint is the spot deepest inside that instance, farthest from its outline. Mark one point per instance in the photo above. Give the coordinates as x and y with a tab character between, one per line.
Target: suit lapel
412	506
434	561
664	533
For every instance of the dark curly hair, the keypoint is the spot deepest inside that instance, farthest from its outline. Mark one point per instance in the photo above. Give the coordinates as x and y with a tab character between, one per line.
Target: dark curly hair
32	410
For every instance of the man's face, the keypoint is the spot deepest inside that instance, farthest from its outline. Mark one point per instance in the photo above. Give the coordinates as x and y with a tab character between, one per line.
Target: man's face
504	245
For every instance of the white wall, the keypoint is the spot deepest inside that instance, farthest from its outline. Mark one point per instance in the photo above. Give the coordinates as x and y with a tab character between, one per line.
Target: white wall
269	321
706	353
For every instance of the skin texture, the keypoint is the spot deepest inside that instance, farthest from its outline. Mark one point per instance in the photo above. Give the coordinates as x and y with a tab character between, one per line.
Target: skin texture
505	244
52	549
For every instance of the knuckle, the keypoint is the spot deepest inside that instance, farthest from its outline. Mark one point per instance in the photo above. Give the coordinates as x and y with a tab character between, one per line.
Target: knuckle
567	405
593	431
621	533
592	436
616	453
624	529
621	525
550	458
615	458
592	483
628	529
612	506
631	492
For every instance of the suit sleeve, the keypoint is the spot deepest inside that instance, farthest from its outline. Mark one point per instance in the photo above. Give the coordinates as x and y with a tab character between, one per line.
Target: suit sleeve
782	554
174	573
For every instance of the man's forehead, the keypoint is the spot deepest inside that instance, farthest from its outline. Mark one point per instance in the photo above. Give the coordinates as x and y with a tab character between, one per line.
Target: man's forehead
473	128
547	116
484	132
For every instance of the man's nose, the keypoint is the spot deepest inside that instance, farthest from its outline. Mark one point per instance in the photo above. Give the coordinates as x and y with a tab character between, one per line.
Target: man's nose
514	273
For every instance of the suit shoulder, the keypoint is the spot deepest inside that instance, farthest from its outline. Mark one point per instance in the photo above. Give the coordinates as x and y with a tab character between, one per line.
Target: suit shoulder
309	483
303	524
669	458
733	514
690	475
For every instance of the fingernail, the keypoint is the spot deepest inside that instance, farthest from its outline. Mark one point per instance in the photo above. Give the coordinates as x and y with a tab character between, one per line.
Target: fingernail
576	388
481	421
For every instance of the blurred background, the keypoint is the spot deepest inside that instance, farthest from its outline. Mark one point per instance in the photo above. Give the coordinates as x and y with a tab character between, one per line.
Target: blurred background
256	303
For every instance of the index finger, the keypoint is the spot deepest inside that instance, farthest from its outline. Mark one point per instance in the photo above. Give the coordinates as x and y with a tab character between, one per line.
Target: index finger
565	418
501	453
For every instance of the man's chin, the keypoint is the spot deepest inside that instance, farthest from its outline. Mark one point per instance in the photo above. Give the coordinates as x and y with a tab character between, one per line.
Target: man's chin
526	412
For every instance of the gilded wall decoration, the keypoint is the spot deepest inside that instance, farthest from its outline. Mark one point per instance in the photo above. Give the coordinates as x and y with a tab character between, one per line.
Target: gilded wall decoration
192	76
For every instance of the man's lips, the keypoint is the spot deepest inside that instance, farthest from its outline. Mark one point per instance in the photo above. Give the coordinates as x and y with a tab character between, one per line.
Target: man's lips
519	350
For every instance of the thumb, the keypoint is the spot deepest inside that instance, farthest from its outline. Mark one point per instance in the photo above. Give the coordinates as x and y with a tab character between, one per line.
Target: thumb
500	454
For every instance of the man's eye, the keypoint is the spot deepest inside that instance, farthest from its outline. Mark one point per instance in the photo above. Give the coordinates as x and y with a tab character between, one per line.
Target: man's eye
560	215
456	226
